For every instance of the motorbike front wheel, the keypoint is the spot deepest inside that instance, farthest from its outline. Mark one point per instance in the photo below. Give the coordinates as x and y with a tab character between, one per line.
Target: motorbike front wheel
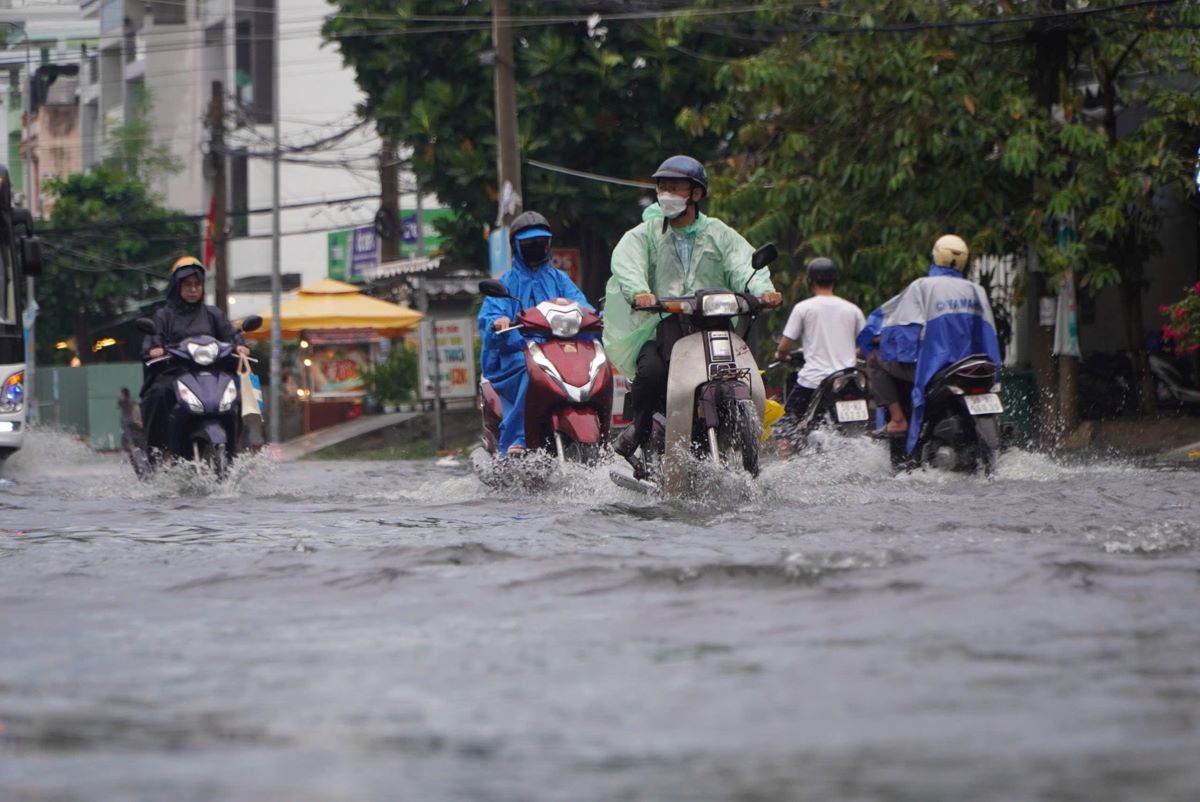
212	457
740	433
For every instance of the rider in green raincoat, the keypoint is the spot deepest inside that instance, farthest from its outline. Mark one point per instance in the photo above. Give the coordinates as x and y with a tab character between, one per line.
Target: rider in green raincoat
676	250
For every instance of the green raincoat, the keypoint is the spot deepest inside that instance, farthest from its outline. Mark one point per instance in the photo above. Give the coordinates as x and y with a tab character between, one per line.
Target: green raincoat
646	260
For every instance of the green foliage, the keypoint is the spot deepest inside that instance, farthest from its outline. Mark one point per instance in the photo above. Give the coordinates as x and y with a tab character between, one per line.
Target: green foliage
97	263
603	100
866	146
131	146
395	380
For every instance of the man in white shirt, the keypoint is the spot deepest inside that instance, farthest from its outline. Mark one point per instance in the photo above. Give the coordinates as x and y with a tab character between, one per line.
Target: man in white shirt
825	327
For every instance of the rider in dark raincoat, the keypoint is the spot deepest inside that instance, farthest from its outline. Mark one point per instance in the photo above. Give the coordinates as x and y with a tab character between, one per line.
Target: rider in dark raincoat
184	315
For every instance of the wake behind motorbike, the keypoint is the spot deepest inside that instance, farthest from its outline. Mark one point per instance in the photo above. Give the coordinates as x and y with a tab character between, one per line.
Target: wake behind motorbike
568	405
960	429
205	423
840	401
715	395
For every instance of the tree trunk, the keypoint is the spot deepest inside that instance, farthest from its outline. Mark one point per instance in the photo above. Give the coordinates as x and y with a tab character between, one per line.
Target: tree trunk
595	253
1131	300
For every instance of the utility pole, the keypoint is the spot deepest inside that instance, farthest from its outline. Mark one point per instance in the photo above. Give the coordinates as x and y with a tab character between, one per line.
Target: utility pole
389	201
275	397
216	150
508	158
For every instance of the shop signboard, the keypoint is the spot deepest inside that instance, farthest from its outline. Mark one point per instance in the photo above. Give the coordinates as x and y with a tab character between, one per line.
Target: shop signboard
351	253
567	260
409	233
335	370
448	353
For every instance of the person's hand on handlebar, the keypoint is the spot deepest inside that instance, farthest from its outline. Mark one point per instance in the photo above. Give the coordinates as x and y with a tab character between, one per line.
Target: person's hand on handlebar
155	352
771	299
243	350
644	299
500	323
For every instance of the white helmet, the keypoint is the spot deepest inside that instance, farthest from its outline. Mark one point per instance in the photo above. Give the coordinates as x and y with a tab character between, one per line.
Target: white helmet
951	251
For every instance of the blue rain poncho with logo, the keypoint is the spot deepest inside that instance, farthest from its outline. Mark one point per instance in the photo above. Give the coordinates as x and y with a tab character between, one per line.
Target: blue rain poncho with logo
649	259
936	321
502	360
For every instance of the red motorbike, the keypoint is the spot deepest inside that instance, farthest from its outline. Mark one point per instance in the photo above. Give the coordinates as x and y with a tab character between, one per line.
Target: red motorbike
568	406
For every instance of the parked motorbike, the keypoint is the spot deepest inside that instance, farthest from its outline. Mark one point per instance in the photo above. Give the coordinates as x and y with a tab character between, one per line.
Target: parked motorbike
1171	389
568	406
960	429
839	401
715	394
205	425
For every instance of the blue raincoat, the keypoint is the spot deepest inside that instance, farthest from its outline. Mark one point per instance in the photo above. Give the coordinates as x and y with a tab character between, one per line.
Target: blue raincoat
502	361
936	321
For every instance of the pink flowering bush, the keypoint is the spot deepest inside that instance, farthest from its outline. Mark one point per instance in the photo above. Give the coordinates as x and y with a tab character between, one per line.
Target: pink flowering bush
1183	321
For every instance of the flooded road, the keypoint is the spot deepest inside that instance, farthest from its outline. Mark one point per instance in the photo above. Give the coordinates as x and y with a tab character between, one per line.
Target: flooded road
393	630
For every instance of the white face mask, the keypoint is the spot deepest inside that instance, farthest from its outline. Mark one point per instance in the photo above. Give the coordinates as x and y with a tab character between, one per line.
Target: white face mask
672	205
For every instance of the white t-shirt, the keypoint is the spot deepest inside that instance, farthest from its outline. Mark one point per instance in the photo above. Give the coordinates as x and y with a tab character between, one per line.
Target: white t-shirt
825	327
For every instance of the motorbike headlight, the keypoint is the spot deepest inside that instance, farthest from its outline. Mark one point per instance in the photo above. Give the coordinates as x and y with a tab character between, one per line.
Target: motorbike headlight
12	393
228	397
188	397
723	304
564	323
203	354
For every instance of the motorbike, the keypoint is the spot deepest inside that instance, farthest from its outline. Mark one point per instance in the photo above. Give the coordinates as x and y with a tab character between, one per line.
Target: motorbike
839	400
960	430
715	395
1171	389
568	405
205	424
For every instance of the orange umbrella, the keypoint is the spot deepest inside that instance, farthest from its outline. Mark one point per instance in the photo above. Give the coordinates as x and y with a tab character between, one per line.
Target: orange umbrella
330	304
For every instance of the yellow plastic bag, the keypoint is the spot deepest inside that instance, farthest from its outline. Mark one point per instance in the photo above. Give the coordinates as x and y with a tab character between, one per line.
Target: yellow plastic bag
772	412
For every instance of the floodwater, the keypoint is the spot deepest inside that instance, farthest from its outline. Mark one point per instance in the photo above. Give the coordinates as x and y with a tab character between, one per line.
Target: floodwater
394	630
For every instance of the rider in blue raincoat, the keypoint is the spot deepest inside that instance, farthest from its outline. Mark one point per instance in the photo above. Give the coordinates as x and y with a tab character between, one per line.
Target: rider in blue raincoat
531	280
936	321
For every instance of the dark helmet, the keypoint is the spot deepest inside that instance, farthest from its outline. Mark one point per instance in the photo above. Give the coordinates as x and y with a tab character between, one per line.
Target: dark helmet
683	167
822	272
530	237
525	221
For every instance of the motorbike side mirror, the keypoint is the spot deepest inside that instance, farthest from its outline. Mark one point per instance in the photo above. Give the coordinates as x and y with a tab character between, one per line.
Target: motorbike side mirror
31	256
764	256
146	325
494	289
251	323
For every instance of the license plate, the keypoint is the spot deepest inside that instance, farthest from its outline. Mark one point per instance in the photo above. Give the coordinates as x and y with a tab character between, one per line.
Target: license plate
985	404
851	411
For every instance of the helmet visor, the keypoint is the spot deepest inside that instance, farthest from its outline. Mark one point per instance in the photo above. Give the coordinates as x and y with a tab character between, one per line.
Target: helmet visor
535	251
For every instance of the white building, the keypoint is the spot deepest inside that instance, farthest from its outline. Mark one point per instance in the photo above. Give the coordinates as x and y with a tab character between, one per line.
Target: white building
172	51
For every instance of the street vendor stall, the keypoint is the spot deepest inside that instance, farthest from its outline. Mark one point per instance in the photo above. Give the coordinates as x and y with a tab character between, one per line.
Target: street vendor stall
340	334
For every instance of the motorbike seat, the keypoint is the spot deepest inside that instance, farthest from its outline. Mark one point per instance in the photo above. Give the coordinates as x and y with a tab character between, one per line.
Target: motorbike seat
977	368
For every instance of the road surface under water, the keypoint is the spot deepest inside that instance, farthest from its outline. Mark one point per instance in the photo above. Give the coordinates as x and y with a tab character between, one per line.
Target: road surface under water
393	630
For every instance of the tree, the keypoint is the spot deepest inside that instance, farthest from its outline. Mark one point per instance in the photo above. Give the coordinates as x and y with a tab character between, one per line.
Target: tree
869	132
109	244
595	95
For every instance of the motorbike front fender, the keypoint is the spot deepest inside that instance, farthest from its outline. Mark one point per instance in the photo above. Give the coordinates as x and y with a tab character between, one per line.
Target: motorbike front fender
579	423
209	430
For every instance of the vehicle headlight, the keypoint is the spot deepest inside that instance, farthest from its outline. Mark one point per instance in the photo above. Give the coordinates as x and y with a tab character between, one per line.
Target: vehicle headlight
12	393
203	354
188	397
723	304
564	323
228	397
